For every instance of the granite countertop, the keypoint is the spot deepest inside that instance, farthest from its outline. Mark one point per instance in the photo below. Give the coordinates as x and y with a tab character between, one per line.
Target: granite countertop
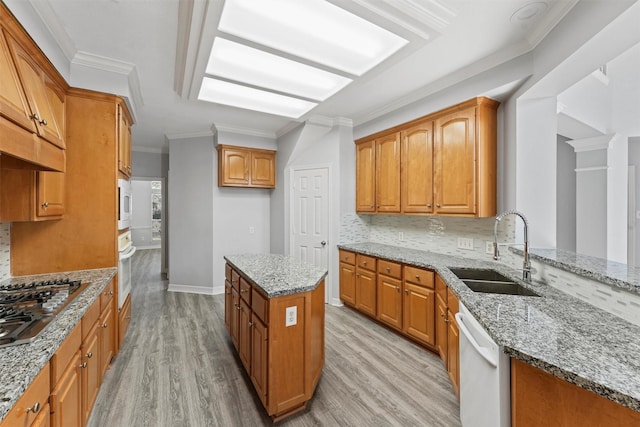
20	364
602	270
555	332
277	275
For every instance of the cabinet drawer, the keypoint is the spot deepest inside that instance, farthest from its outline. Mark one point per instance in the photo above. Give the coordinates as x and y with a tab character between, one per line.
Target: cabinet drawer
441	289
259	306
107	294
419	276
227	271
235	280
245	290
65	353
347	257
366	262
452	302
90	318
391	269
35	397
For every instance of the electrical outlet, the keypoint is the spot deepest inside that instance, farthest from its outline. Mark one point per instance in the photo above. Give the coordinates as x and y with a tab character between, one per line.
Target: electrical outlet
465	243
252	230
488	248
401	236
291	317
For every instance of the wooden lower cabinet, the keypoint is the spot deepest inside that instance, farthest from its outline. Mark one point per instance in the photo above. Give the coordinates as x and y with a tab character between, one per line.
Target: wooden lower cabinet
390	301
107	338
419	305
32	404
453	342
91	373
124	319
66	397
228	303
541	399
44	417
235	317
442	320
348	283
283	360
366	292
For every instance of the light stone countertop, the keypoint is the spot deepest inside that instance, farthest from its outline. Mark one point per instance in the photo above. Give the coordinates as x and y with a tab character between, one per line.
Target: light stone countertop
555	332
277	275
19	364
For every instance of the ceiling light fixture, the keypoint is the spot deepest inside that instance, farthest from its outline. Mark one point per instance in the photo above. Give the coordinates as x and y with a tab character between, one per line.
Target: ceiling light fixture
528	12
312	29
255	67
235	95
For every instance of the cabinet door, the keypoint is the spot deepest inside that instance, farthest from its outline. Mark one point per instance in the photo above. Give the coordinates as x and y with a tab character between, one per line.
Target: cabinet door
263	169
91	373
228	305
33	81
455	163
234	167
50	194
417	169
235	317
124	142
259	360
13	103
56	98
419	308
348	283
44	417
244	335
453	352
442	319
366	292
66	398
390	301
366	177
107	338
388	174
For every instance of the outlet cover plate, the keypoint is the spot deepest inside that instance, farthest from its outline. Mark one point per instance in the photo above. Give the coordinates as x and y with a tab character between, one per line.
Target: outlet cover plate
465	243
488	248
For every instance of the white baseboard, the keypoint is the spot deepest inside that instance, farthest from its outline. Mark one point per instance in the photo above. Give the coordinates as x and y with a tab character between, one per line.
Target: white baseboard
336	302
195	289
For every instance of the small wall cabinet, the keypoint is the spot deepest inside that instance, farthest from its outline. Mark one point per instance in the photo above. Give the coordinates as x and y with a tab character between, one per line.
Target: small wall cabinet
246	167
441	164
28	195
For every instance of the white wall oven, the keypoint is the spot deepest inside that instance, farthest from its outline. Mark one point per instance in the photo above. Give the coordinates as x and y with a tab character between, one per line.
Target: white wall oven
124	204
126	251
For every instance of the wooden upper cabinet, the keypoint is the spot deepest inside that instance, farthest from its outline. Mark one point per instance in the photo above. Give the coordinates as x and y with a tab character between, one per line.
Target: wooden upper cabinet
455	162
366	176
263	169
50	194
13	103
388	174
124	140
417	168
443	164
38	90
246	167
27	195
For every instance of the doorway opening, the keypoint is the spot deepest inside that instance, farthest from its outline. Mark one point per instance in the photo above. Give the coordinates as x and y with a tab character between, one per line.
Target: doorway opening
148	215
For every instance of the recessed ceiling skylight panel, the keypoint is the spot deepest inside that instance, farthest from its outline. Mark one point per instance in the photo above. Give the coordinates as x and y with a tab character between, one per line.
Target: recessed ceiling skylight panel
312	29
255	67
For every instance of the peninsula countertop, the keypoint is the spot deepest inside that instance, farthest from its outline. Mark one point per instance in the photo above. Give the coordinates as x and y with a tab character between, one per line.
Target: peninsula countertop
20	364
555	332
277	275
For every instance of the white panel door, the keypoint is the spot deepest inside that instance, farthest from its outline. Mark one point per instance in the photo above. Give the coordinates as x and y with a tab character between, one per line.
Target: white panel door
310	216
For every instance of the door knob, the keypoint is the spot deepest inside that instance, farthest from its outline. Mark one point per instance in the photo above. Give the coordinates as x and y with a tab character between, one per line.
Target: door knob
323	243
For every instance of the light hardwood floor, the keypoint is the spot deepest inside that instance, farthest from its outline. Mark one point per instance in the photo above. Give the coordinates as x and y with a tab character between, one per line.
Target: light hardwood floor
178	367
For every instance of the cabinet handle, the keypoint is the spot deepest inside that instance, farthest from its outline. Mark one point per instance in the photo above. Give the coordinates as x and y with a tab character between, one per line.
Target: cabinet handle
388	269
45	205
105	326
43	122
35	117
406	291
437	205
238	307
364	262
417	278
128	317
83	365
35	408
89	355
242	291
441	314
378	206
429	205
447	320
398	288
250	324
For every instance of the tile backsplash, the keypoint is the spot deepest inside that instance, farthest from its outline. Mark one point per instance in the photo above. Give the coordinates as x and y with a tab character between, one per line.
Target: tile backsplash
5	250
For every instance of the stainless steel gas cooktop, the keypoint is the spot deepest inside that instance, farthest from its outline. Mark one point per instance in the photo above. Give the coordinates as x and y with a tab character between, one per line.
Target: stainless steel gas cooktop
27	308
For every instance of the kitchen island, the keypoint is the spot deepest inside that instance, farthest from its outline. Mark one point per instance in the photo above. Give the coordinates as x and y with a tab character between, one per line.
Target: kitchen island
274	312
20	365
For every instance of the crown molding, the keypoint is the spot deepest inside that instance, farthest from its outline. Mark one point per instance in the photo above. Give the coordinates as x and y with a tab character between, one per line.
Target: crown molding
592	144
245	131
190	135
549	21
148	149
55	27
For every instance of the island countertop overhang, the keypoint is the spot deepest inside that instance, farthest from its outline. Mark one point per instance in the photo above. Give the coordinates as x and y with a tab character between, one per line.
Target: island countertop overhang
277	275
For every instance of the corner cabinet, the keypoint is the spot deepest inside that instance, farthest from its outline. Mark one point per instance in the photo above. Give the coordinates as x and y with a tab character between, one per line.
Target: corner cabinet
246	167
440	164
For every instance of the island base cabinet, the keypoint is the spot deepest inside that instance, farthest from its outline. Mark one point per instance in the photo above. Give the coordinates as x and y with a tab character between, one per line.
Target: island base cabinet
259	353
540	399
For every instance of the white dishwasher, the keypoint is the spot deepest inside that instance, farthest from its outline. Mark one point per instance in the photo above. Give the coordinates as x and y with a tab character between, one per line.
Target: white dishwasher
484	376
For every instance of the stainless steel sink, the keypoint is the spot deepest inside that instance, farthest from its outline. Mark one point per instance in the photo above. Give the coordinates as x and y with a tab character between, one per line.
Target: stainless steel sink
490	281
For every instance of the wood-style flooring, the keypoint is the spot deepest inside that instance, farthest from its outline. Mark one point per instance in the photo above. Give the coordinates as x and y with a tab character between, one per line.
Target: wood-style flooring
178	367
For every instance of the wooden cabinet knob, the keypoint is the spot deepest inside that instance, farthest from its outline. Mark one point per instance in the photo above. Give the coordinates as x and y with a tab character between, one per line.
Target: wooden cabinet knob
35	408
417	278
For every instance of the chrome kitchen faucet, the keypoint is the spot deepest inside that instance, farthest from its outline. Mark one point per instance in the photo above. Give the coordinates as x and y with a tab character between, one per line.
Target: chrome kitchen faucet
526	267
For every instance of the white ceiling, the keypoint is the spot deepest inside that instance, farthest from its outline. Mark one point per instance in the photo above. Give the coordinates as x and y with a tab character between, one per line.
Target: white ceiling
144	37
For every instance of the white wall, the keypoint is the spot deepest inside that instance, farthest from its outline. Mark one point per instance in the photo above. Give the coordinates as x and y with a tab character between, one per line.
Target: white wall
141	215
191	182
566	196
149	165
